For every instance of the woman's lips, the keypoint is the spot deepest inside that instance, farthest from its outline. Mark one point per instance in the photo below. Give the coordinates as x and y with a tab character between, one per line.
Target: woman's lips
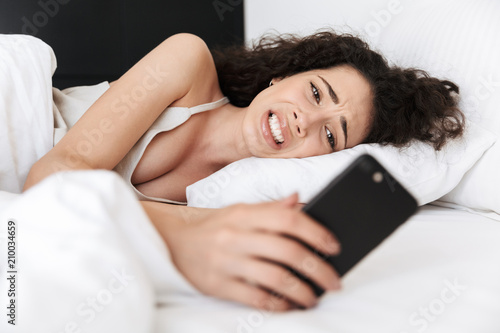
267	133
275	128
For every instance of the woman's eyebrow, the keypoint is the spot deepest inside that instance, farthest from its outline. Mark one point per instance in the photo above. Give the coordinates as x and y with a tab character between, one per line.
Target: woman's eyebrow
335	99
332	93
343	124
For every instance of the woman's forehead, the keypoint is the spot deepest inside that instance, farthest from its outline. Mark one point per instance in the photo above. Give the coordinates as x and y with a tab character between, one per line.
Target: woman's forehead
348	83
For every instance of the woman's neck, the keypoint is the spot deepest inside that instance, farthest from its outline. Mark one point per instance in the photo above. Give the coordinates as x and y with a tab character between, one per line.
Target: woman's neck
221	140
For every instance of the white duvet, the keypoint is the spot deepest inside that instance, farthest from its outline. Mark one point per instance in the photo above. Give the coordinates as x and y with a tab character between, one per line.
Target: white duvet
88	258
26	121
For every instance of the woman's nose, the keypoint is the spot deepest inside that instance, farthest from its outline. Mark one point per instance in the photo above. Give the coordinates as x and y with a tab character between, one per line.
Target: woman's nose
303	121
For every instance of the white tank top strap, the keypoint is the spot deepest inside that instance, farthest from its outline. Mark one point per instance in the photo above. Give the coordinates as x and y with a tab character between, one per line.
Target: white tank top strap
208	106
171	118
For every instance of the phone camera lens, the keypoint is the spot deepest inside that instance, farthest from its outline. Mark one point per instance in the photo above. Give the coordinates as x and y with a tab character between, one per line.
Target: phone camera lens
378	177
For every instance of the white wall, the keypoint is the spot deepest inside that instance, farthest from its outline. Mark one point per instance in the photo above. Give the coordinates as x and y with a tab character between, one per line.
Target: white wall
366	17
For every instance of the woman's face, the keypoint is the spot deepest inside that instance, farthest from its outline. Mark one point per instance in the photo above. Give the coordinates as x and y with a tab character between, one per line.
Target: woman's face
308	114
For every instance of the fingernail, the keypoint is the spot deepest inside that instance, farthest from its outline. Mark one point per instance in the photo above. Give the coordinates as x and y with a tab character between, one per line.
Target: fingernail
333	248
332	245
301	307
335	284
337	248
314	303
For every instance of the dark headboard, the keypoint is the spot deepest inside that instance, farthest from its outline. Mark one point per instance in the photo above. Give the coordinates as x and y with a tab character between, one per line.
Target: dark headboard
98	40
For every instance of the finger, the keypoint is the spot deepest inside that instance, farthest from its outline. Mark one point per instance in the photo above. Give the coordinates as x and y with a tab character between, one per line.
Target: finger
290	201
299	206
315	235
243	292
277	280
288	252
295	224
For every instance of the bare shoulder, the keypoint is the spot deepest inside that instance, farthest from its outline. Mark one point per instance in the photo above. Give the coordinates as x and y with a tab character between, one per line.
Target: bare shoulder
199	77
204	84
191	53
188	50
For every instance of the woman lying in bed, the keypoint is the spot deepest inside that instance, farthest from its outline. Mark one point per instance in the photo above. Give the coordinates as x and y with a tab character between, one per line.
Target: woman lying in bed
289	97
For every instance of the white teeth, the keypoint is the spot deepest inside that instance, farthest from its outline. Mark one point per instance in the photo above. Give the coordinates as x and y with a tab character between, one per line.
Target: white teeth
275	128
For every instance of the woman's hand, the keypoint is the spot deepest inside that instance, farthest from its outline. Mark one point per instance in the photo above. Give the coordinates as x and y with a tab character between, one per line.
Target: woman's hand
238	253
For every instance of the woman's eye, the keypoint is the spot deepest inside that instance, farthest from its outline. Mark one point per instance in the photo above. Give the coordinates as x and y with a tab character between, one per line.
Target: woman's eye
315	93
330	138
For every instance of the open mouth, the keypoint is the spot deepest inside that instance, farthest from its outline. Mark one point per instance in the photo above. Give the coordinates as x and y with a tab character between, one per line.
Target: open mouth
275	128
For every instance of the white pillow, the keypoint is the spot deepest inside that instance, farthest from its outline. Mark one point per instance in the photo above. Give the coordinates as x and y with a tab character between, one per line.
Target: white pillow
427	174
458	39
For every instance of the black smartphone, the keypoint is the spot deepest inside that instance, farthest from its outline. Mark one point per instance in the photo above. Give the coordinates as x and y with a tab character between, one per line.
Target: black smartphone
362	206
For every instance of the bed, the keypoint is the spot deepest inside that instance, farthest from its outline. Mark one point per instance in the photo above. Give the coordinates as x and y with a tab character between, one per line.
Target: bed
89	260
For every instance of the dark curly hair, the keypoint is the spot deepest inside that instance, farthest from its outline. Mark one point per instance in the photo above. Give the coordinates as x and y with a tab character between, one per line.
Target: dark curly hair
408	103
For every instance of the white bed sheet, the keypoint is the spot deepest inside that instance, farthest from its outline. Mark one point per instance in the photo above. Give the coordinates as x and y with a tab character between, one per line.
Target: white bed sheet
437	273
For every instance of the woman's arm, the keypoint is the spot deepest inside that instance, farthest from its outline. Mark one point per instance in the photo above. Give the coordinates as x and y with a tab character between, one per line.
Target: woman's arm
116	121
237	253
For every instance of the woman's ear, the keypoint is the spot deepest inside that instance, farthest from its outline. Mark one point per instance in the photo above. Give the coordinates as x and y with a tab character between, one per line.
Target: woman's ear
274	80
